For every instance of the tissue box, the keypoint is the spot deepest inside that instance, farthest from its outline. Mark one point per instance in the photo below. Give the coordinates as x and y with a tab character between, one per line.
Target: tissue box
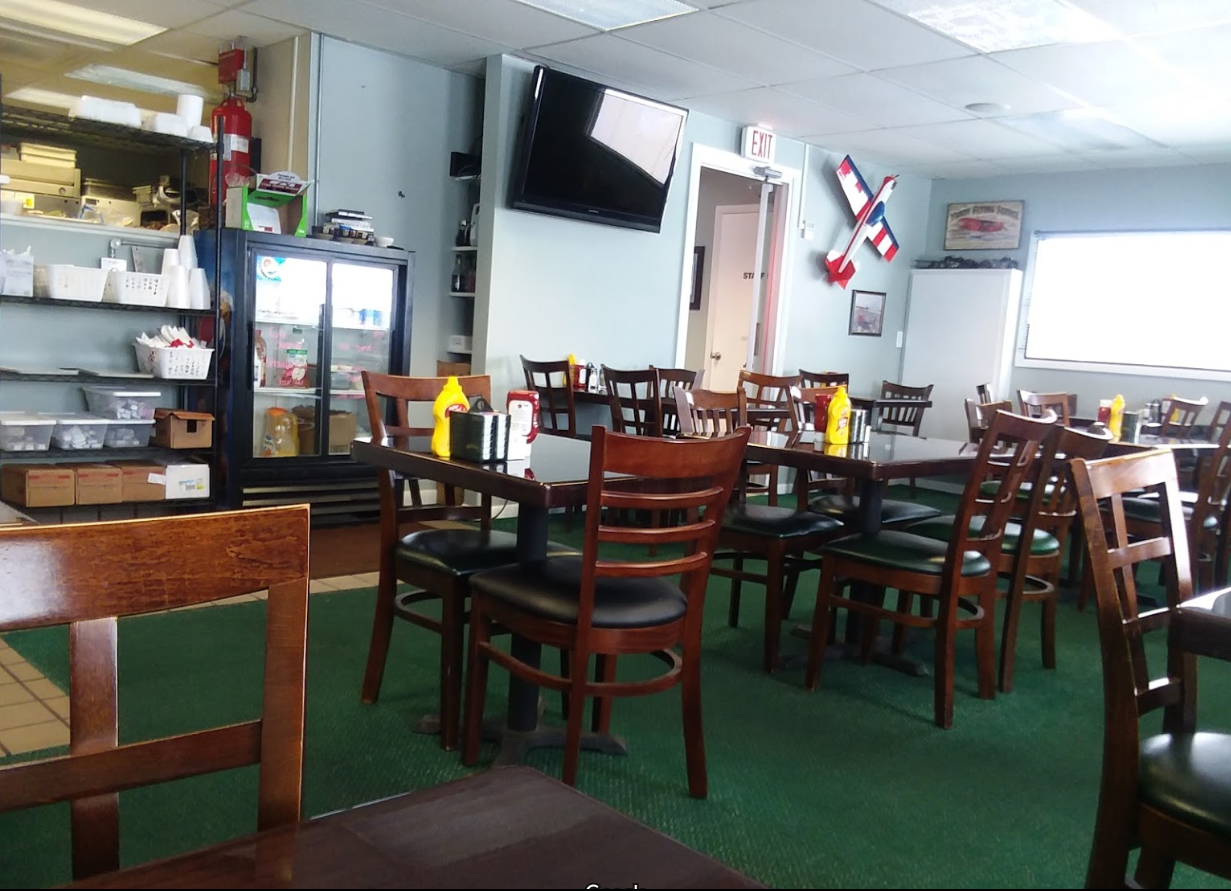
481	436
275	202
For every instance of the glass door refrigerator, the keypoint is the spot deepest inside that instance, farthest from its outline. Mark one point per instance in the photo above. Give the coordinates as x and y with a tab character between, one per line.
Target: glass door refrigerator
302	319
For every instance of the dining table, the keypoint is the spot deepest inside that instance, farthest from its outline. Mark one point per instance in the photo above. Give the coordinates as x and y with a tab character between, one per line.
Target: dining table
512	827
556	475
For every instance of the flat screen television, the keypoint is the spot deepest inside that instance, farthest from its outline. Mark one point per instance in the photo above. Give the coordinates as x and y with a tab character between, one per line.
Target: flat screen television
591	152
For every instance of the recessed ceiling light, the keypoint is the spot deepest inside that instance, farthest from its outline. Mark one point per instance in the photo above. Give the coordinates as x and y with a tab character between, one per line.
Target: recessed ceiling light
993	25
987	108
608	15
1079	129
136	80
57	17
37	96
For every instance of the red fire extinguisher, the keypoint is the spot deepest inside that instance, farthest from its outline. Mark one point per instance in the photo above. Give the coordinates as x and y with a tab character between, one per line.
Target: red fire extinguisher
236	125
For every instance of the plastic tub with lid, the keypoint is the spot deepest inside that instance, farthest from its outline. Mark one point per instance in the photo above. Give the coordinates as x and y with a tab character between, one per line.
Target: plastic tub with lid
128	434
78	430
22	431
122	403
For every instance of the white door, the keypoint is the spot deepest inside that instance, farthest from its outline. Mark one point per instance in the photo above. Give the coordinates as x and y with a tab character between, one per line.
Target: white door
730	292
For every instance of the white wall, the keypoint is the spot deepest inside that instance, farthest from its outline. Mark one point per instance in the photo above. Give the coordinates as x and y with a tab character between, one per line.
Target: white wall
282	112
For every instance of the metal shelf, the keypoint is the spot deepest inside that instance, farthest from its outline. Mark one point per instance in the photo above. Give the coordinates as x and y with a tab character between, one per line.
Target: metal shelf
94	304
469	247
286	391
105	378
461	293
102	454
30	122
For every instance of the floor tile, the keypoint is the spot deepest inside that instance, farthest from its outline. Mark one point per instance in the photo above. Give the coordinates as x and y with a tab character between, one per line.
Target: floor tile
24	671
11	694
239	598
261	595
59	705
35	736
21	714
346	582
316	586
5	677
8	656
44	689
369	579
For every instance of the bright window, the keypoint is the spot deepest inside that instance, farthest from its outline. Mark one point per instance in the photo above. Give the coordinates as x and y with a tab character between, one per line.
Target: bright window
1147	302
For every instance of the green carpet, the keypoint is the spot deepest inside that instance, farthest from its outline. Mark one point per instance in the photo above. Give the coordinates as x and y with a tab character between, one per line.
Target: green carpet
851	786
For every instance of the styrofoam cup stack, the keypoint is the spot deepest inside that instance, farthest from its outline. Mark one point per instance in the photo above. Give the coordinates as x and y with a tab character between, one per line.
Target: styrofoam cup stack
170	257
198	289
188	252
178	295
190	108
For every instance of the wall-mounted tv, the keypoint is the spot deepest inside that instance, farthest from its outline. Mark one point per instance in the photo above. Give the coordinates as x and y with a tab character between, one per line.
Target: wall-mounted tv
591	152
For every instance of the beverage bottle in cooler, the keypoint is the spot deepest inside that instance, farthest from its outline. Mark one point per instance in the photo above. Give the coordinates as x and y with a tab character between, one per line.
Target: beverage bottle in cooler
452	398
458	275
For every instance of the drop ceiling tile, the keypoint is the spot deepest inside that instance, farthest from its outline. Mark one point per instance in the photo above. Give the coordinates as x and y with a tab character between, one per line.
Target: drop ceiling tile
183	44
712	4
1100	74
259	30
991	25
959	82
790	116
888	147
34	52
167	13
1146	157
856	32
957	170
1180	122
867	96
505	22
666	76
982	139
1062	163
722	43
1202	54
18	76
1211	154
1157	17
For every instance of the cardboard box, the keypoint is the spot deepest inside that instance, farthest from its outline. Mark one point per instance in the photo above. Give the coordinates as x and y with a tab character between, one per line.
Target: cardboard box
141	480
38	485
444	369
178	429
275	202
98	483
189	479
343	428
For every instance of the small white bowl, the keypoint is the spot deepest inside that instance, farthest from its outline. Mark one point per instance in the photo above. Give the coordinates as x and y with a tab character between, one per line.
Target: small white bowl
384	241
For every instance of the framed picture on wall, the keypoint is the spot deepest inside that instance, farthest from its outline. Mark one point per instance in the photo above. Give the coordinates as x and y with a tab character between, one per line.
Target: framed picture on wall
984	226
698	266
867	313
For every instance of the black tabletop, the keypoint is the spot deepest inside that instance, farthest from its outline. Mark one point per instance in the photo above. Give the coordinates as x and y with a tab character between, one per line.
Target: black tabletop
885	455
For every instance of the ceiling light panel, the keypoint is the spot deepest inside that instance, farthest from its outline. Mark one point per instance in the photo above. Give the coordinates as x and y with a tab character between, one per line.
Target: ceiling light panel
135	80
57	17
991	25
607	15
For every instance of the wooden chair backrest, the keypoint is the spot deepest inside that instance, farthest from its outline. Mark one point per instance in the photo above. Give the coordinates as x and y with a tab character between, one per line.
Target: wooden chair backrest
557	401
1180	415
824	379
979	415
89	575
803	405
636	407
1035	405
768	398
983	393
710	413
906	416
669	380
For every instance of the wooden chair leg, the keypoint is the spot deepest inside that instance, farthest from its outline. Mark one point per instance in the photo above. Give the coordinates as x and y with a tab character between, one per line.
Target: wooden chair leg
476	685
773	610
604	671
1154	869
382	630
565	667
452	615
822	622
1047	630
736	585
985	649
690	697
572	730
899	630
772	485
1008	638
943	662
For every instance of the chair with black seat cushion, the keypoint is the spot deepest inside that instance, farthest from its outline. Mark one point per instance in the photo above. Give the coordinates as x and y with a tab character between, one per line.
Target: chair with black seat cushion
768	408
958	576
669	379
438	563
606	604
780	536
1167	795
635	404
824	379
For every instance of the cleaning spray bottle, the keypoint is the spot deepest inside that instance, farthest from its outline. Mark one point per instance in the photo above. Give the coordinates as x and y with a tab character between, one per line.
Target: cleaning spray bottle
451	399
838	425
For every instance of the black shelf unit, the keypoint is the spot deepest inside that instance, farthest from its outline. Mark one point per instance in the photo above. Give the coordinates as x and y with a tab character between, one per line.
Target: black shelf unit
104	453
36	124
106	307
126	380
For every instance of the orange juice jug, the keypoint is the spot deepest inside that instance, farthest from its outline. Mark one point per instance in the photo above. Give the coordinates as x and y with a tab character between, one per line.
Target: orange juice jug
838	425
451	399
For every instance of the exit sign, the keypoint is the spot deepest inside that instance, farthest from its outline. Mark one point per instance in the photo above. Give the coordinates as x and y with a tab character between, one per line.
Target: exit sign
758	144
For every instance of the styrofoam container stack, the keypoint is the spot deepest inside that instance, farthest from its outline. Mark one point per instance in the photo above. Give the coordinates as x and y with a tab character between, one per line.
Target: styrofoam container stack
77	430
136	288
128	434
121	404
109	110
61	281
22	431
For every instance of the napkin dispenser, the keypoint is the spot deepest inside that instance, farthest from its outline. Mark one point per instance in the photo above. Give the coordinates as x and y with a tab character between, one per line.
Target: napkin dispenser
479	436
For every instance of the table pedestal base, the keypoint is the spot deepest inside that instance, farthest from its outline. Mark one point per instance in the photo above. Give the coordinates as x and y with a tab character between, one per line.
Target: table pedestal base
515	744
882	654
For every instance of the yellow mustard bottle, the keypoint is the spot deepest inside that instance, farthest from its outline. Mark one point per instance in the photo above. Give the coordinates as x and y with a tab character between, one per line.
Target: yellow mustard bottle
838	424
452	398
1116	421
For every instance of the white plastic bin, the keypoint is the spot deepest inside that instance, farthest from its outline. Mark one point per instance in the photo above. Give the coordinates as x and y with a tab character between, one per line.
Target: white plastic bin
180	363
62	282
128	434
136	288
77	430
119	403
22	431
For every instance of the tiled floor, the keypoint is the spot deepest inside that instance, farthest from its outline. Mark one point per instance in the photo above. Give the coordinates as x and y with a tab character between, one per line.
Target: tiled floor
34	711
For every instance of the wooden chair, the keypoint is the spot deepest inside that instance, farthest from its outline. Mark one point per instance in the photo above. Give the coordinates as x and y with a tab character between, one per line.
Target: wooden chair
633	395
590	604
803	411
1035	405
958	576
824	379
983	393
89	575
438	563
1167	794
768	408
557	399
1180	415
979	415
669	380
779	536
908	417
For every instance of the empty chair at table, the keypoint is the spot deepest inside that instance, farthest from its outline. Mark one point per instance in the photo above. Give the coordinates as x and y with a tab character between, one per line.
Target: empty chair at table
983	393
1180	415
669	380
904	418
1036	405
635	404
824	379
557	400
768	408
979	415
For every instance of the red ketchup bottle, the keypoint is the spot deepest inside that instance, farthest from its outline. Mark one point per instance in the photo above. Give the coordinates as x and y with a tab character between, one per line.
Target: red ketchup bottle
523	409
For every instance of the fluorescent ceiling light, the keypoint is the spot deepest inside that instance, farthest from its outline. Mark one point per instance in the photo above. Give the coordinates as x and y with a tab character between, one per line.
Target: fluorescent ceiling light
993	25
1079	129
58	17
610	14
36	96
136	80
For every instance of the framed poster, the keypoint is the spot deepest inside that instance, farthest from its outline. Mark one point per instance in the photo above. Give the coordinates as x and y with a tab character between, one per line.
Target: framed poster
698	265
984	226
867	313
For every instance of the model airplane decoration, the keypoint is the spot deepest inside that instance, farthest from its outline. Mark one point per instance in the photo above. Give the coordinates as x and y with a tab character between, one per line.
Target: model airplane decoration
870	222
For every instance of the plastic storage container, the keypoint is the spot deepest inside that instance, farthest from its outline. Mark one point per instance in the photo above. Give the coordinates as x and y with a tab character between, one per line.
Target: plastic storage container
128	434
180	363
122	404
136	288
62	282
25	432
77	430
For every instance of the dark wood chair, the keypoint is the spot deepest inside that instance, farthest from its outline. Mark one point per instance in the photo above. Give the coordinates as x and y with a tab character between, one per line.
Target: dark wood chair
557	399
779	536
979	415
768	408
1035	405
1180	415
958	576
89	575
983	393
904	417
803	410
669	380
438	563
590	604
1167	794
824	379
636	407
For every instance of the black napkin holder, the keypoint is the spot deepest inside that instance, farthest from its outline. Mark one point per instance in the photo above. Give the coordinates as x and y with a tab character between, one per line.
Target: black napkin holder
479	436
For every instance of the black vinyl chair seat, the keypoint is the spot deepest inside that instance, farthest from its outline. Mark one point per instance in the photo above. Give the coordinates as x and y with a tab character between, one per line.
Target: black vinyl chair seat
895	549
1042	543
988	489
777	522
1188	776
846	509
550	590
463	552
1146	509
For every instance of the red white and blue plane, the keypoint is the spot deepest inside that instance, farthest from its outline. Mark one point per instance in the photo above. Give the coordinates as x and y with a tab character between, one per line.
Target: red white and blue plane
870	222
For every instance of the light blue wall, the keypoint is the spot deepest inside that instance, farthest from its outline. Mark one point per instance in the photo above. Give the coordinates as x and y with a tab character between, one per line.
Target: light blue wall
1164	198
